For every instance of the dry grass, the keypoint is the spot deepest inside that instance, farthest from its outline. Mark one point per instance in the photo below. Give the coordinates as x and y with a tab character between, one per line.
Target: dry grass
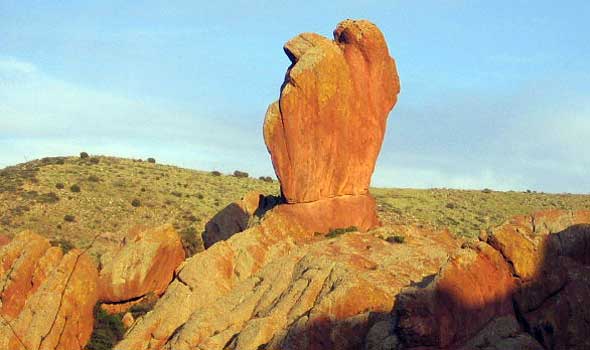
116	194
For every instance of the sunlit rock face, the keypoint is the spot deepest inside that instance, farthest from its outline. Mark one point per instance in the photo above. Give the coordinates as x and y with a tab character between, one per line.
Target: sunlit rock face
47	297
326	130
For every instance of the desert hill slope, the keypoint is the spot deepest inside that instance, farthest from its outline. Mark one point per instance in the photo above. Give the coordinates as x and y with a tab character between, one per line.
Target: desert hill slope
30	199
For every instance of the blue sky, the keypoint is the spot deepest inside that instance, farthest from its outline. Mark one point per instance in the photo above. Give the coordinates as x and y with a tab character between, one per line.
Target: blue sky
494	94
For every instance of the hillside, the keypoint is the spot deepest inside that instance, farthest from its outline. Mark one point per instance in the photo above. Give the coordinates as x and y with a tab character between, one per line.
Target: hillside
32	197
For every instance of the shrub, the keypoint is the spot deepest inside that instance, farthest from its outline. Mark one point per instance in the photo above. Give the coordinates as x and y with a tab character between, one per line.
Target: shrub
83	155
200	196
265	178
215	173
136	203
59	186
451	205
69	218
486	190
176	194
94	160
75	188
50	198
239	173
151	160
65	245
191	241
396	239
340	231
108	330
93	178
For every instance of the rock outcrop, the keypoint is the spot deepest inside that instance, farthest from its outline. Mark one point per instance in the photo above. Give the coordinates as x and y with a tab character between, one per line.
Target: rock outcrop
325	132
525	285
58	314
24	264
276	284
144	263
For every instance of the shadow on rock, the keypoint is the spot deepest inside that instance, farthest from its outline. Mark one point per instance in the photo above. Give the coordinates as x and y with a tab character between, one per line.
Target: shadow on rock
237	217
524	285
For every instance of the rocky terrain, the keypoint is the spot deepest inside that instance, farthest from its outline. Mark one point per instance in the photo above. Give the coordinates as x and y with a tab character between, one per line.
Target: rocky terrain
318	263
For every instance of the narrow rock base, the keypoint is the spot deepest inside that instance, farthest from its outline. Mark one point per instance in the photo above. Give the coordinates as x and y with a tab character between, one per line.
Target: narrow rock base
338	212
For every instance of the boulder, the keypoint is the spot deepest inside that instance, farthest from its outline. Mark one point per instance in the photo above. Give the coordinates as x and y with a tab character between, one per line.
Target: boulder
144	263
325	132
24	264
59	314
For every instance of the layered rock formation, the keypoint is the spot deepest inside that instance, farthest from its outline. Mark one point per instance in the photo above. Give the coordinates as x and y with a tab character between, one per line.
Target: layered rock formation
525	285
143	264
47	298
277	284
325	132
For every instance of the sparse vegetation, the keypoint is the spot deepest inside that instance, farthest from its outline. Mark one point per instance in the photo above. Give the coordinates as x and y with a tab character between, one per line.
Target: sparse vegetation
65	245
215	173
108	330
75	188
93	178
106	205
265	178
396	239
83	155
145	306
59	186
94	160
151	160
136	203
240	174
69	218
340	231
191	240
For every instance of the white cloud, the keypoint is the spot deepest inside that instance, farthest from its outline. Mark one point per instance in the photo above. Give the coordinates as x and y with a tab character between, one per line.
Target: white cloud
43	116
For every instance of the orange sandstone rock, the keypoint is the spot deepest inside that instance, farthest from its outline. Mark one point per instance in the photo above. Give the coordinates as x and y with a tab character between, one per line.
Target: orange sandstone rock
325	132
59	315
24	264
144	263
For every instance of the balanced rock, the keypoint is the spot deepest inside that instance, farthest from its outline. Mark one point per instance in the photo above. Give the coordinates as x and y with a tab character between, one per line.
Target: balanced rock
325	132
144	263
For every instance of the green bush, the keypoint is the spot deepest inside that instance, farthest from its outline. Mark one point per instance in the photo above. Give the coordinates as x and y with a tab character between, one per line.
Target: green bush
60	186
136	203
94	160
239	173
265	178
69	218
93	178
65	245
215	173
108	330
75	188
396	239
83	155
151	160
191	241
340	231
